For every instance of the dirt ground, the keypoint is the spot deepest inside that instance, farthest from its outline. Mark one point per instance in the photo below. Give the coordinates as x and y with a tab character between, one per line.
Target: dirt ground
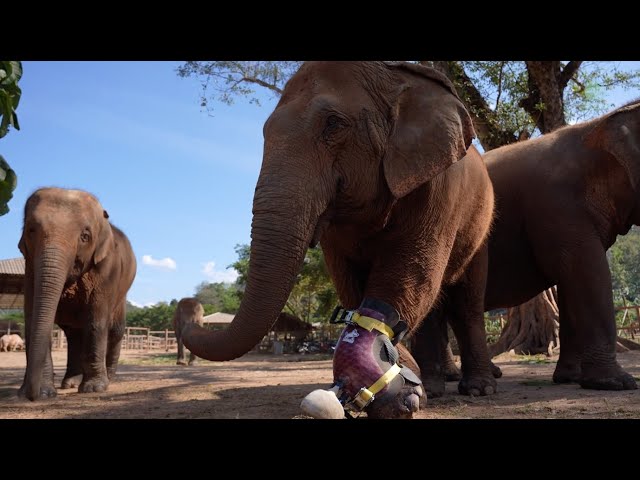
150	385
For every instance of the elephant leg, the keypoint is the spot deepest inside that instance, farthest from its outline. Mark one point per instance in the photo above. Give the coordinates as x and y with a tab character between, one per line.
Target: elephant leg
73	375
181	350
451	371
114	345
466	315
47	387
568	366
95	339
588	297
193	360
428	347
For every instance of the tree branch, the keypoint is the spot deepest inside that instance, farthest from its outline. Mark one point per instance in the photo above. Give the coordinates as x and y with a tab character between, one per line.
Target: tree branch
499	85
262	83
568	72
484	119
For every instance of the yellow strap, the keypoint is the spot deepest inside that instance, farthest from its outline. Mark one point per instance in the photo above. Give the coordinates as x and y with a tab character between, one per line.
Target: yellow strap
365	395
370	323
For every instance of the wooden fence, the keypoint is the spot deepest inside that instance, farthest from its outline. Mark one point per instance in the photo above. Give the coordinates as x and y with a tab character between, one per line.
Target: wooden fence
135	338
138	338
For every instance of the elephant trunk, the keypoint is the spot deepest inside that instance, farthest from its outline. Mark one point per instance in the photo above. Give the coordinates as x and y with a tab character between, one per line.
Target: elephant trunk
50	273
283	224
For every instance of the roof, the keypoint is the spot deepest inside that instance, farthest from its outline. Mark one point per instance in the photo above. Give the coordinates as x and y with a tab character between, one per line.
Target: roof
218	318
12	266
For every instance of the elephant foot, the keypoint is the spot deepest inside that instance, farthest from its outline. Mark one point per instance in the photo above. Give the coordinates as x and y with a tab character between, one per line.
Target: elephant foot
617	379
567	374
401	406
71	382
111	374
452	373
96	384
478	385
433	384
495	370
193	362
181	362
46	391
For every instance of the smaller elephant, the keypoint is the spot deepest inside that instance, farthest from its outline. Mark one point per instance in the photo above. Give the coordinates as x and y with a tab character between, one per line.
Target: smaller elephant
189	310
11	342
78	269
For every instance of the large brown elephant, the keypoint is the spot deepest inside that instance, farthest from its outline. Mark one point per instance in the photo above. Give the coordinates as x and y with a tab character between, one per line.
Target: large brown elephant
364	157
78	270
561	201
188	310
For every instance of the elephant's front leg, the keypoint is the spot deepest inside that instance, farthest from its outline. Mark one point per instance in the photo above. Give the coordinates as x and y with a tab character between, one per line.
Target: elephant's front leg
466	315
586	292
182	360
95	341
73	375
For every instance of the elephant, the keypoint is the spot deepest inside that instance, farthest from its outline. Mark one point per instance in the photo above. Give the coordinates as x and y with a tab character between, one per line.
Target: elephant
11	342
372	161
188	310
78	269
561	201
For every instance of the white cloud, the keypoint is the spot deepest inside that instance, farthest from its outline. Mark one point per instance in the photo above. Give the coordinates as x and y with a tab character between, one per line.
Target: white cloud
228	275
168	263
142	305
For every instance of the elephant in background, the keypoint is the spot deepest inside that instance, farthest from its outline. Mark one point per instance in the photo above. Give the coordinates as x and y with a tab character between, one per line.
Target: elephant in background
11	342
561	201
79	268
370	159
188	310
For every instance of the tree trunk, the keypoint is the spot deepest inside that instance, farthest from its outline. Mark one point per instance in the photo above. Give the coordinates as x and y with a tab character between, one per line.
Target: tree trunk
532	327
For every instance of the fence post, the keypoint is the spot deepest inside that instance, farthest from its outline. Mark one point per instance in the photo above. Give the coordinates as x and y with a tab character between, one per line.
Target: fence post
166	339
60	333
148	339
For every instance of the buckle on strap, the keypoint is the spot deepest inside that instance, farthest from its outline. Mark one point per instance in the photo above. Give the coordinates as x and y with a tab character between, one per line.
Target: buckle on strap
367	395
396	333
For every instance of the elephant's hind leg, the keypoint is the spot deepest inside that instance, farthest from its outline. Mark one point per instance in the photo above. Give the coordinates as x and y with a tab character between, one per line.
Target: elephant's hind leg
116	333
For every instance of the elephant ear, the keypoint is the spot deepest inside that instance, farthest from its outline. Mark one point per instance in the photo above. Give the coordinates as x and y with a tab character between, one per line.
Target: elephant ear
106	242
22	246
431	129
619	134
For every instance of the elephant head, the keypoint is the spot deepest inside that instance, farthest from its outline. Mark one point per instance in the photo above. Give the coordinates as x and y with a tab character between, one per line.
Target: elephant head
65	233
346	140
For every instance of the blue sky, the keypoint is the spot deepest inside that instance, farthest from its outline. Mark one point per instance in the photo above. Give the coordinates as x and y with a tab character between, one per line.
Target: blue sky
178	181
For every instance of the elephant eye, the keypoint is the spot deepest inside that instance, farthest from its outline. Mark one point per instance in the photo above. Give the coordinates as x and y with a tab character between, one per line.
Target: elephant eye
85	236
333	124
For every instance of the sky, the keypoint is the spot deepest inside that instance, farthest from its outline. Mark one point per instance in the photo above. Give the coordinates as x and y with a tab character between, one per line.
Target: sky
178	180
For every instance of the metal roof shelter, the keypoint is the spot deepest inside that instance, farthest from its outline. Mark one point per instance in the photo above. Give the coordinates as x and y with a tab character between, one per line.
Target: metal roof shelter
12	283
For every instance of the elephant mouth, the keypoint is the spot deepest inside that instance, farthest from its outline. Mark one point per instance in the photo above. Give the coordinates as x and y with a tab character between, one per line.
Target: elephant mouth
321	226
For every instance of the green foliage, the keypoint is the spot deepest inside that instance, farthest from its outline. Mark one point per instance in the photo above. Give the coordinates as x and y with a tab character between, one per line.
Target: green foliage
10	74
219	297
624	262
313	296
241	266
156	317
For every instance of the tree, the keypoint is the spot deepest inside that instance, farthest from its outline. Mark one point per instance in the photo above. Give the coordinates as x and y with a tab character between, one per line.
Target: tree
313	296
220	297
156	317
624	262
509	101
10	74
